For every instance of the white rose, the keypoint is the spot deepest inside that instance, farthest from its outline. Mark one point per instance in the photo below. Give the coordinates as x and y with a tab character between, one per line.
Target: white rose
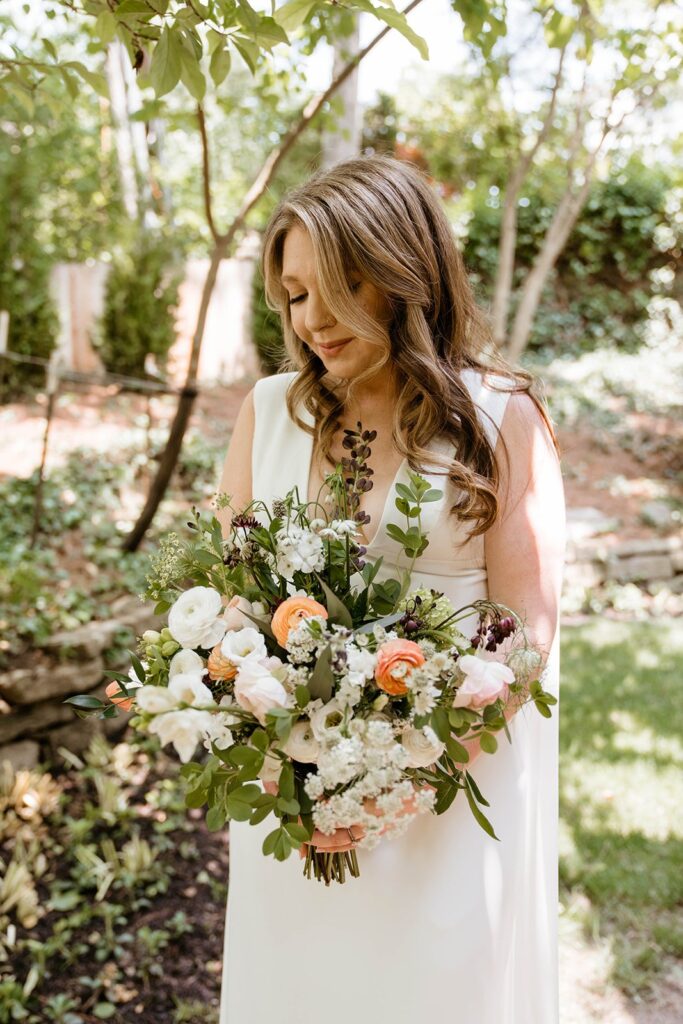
194	618
186	663
183	729
187	688
257	690
302	744
154	699
327	718
485	681
243	645
422	746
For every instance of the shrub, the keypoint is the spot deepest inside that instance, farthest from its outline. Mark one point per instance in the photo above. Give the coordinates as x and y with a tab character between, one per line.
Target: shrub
140	301
266	329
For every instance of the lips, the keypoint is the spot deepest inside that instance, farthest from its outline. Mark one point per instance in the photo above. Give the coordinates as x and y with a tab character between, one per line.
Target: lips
333	347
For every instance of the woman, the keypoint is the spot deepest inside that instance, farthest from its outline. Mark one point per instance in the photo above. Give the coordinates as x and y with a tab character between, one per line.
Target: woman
380	326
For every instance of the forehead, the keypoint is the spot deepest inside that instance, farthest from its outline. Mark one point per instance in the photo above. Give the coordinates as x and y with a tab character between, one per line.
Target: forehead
298	256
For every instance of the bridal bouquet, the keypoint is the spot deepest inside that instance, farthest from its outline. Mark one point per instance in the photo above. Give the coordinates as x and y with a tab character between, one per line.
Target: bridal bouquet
346	696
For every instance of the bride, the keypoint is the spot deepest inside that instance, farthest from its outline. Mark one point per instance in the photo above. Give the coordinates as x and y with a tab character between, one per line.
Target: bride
381	327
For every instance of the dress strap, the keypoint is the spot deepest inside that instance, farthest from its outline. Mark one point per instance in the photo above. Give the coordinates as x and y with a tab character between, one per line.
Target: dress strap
280	447
490	403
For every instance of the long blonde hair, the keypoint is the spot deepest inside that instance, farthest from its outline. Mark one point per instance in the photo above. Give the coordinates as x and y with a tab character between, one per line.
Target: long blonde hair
379	219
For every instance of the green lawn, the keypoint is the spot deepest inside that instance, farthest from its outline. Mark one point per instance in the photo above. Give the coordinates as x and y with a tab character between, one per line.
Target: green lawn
621	790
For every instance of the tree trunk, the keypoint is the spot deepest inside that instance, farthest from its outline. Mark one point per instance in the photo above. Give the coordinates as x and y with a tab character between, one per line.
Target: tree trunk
554	242
183	412
124	140
344	142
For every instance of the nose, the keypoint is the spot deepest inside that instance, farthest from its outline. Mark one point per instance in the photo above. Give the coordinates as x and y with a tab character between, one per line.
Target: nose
318	316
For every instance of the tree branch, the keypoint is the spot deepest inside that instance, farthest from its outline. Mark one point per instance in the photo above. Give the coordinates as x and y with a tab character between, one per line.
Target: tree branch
206	173
313	107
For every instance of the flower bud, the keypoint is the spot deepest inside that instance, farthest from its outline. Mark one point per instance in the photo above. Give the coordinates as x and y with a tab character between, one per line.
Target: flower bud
151	636
380	702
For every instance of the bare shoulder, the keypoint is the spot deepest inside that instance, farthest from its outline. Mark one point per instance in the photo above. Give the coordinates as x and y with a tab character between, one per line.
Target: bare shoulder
236	476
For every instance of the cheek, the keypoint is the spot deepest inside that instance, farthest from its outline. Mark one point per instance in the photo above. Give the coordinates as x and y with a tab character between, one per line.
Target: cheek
298	320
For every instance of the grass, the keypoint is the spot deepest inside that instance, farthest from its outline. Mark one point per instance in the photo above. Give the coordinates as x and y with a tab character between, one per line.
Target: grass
621	791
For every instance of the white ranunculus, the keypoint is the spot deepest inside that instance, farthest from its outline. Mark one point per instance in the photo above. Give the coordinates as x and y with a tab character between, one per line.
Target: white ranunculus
257	690
194	618
302	744
485	681
183	728
327	719
186	663
422	746
242	645
154	699
187	688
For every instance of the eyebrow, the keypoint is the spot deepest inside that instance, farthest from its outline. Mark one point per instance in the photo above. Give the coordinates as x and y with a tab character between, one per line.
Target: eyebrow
292	280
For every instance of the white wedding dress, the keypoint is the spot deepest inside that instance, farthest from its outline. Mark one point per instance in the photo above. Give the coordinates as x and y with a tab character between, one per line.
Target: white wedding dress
444	923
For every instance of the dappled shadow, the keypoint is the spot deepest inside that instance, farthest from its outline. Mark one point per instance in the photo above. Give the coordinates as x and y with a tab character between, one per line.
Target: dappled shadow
621	723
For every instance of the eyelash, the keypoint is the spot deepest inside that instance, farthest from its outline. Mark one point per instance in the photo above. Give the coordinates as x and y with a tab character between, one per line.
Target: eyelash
300	298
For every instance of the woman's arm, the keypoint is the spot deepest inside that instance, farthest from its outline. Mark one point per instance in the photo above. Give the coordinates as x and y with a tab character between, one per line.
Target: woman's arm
236	476
525	546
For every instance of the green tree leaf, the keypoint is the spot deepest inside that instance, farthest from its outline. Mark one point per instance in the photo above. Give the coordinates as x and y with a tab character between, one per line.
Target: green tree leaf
165	69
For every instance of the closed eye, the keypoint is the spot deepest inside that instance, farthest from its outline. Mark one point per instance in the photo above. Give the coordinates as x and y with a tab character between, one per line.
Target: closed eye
297	298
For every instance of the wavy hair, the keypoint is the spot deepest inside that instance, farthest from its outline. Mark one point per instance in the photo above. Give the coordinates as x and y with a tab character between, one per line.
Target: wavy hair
379	219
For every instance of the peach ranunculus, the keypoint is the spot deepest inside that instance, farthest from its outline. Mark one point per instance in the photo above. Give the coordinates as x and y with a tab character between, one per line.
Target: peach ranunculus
125	703
289	614
395	661
219	666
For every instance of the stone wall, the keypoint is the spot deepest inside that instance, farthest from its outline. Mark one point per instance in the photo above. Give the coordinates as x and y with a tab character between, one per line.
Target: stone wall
34	721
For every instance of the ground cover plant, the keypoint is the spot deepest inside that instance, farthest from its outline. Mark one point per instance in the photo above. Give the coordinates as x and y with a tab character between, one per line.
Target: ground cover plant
621	865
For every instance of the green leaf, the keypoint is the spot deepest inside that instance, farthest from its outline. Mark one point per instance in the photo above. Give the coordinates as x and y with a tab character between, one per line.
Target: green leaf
240	756
105	26
543	708
302	694
219	65
215	819
84	700
396	533
95	81
293	14
457	751
105	1011
286	782
165	68
479	817
477	793
296	831
137	666
288	806
195	83
336	609
248	51
259	814
488	743
433	494
69	82
196	797
269	842
321	680
259	739
445	795
405	492
440	725
239	802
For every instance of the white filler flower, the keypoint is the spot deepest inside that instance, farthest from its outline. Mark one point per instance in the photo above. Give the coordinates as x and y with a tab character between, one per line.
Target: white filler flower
194	618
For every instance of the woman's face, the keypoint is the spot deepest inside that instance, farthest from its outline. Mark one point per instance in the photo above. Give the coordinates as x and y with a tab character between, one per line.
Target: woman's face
343	355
